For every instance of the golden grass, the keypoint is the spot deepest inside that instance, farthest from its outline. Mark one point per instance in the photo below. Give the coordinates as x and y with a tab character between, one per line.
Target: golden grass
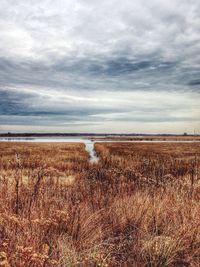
149	138
138	206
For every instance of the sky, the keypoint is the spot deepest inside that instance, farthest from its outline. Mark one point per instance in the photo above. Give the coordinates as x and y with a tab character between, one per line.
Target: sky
109	66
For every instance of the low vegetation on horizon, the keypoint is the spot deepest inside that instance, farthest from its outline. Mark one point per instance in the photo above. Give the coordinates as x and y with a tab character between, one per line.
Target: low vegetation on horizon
138	206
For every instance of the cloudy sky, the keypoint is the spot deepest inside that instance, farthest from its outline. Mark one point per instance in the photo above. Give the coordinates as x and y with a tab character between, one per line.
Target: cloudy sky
100	66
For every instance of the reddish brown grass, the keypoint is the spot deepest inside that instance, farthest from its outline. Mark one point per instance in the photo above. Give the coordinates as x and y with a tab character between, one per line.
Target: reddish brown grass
138	206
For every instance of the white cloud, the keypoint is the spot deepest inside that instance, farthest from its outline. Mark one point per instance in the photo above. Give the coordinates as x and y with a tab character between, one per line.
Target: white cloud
82	28
111	60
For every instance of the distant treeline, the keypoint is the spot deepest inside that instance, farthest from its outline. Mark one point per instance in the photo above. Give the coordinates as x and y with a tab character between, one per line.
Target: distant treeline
84	134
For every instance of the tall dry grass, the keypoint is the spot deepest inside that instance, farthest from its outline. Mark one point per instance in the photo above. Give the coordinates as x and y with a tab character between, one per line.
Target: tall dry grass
139	206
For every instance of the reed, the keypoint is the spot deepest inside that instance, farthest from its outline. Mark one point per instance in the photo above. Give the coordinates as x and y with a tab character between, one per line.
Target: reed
138	206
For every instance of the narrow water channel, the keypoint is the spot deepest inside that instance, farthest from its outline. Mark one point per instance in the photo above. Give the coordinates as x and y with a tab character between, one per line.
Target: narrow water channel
89	147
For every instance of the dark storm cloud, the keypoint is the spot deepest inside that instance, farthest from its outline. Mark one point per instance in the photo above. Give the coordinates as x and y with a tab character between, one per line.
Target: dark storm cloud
195	83
86	74
87	62
17	108
12	103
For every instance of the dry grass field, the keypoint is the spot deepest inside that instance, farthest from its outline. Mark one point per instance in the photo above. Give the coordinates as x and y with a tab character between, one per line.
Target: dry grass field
149	138
138	206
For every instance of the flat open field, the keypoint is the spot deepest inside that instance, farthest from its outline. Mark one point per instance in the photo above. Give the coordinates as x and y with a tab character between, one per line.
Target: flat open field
184	150
139	205
149	137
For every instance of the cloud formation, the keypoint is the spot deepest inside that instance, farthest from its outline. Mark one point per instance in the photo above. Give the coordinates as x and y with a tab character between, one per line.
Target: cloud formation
100	66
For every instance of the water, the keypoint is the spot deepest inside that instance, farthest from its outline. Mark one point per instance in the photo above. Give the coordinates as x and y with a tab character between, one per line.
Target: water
89	144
